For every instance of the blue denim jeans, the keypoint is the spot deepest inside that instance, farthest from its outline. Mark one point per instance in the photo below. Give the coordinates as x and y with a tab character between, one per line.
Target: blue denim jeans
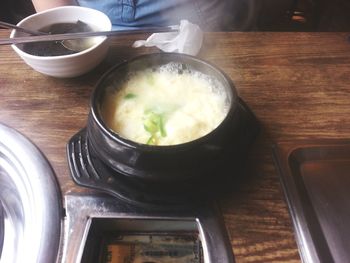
126	14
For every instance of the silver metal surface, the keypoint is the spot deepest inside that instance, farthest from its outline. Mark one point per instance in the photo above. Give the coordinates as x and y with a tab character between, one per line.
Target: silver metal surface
1	228
31	201
84	211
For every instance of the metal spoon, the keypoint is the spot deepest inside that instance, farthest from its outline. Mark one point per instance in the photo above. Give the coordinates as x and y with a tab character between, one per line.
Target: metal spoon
79	44
75	45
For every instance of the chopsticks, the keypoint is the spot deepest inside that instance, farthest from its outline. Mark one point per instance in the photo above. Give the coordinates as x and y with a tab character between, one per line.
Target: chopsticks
58	37
29	31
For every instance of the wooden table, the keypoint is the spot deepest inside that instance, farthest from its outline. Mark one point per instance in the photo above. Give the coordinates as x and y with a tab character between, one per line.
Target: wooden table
297	84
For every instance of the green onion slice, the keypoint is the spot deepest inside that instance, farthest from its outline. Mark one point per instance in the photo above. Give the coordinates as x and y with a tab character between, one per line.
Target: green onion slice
130	96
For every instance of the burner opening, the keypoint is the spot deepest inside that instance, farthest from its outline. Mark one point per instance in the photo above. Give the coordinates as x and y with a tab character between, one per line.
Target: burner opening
114	240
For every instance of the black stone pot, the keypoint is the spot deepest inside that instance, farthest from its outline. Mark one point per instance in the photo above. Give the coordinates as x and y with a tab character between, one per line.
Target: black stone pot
161	164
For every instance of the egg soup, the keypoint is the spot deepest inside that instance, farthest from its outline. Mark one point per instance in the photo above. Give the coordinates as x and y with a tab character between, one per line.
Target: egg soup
167	105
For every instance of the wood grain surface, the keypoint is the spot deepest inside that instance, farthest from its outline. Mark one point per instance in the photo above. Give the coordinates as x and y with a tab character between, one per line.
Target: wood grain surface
297	84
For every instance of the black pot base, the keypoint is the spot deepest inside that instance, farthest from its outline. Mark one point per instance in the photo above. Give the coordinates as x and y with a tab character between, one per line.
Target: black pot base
88	170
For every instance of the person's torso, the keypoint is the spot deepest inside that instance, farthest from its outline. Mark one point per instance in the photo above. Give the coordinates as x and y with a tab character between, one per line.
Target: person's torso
145	13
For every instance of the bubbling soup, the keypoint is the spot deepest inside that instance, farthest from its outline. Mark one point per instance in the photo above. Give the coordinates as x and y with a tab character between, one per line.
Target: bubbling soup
167	105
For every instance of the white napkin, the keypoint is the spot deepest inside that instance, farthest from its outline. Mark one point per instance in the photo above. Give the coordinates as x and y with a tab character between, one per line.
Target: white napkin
188	39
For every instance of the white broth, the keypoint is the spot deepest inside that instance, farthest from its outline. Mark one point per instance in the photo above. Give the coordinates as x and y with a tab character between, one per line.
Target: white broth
166	107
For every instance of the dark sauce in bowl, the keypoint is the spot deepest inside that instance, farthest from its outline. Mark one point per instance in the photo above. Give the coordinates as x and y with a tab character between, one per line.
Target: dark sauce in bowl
55	48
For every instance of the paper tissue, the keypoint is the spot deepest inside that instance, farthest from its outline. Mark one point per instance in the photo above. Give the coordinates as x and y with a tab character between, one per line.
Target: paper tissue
188	39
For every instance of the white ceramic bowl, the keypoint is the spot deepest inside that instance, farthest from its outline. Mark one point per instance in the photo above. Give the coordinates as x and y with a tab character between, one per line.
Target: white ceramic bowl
72	65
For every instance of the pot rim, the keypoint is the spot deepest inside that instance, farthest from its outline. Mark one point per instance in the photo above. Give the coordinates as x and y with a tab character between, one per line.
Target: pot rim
94	111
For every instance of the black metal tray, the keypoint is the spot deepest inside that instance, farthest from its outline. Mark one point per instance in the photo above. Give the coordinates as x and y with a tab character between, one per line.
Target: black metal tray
316	181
